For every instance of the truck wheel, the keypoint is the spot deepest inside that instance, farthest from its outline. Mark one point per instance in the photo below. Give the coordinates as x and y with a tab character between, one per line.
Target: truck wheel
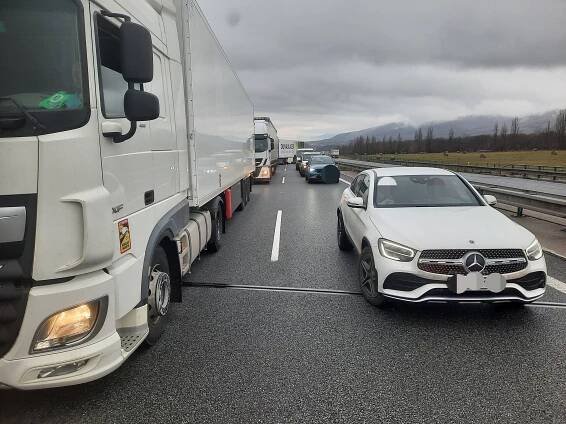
343	240
159	295
217	227
244	192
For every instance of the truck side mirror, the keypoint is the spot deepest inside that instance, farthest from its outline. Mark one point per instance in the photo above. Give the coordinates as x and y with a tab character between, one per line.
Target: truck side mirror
136	60
141	106
136	53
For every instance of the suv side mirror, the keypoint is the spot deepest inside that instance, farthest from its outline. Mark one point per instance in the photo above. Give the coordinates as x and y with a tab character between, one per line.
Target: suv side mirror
356	203
136	53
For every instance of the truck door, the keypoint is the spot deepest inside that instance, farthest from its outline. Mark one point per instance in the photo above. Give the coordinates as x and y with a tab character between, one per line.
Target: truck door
163	143
126	166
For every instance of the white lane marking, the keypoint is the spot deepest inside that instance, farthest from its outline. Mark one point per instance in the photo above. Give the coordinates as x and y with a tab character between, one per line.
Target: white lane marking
283	182
558	285
285	168
276	238
344	181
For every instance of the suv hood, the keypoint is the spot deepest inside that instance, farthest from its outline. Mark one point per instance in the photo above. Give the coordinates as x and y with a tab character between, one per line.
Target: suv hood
450	228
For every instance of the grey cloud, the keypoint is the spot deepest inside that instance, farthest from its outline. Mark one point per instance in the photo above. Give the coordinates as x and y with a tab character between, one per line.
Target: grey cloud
233	18
351	62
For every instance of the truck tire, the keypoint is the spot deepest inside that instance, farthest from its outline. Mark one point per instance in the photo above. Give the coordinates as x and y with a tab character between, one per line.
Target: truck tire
244	193
159	296
217	214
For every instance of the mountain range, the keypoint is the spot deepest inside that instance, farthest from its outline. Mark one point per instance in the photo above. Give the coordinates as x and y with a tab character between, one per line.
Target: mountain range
463	127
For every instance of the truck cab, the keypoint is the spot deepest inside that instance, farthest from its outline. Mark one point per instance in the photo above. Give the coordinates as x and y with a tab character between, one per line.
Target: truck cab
266	149
123	147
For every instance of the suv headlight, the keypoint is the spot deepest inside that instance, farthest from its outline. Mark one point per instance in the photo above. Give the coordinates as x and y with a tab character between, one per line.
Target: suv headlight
69	326
396	251
534	251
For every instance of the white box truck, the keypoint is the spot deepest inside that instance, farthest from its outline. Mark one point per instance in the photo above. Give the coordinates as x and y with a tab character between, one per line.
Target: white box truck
266	149
287	151
126	140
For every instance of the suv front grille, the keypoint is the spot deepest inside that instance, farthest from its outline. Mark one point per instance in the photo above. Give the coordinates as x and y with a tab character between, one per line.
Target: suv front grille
450	261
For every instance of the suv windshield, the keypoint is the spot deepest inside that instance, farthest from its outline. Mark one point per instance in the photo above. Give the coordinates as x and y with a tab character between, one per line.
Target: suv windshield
42	45
423	191
260	143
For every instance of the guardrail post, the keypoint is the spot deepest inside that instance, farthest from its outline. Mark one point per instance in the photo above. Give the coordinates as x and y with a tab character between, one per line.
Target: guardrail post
519	212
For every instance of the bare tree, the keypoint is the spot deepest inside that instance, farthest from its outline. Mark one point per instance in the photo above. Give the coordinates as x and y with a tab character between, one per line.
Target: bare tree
515	127
560	127
451	134
429	138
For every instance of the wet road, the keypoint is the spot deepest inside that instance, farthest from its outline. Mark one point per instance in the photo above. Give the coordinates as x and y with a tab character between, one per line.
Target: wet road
261	354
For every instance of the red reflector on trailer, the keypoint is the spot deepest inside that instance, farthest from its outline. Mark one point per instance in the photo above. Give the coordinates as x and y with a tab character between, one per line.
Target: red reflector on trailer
228	199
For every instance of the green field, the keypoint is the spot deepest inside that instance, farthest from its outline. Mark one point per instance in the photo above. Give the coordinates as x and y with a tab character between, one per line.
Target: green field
531	158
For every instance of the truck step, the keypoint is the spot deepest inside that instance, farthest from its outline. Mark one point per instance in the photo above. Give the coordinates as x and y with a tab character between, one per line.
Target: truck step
132	337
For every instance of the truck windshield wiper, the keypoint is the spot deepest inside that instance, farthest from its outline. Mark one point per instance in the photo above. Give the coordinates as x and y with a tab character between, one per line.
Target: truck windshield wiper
36	124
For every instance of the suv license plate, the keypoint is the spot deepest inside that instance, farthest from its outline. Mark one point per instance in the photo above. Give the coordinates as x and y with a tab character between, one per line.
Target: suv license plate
475	281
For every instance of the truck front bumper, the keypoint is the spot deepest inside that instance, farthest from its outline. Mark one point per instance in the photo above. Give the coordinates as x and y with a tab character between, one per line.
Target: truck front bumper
80	363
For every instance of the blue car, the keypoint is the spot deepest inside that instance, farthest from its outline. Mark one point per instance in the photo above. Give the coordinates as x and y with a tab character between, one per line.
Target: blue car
322	168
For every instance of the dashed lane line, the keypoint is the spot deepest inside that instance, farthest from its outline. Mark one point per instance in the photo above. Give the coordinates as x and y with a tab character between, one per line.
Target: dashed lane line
283	181
344	181
276	238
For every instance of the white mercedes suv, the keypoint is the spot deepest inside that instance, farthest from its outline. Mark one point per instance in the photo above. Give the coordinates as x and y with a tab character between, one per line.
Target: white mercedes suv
425	234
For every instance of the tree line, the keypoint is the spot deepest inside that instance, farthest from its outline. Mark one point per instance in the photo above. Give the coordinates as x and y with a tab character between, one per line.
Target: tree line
503	138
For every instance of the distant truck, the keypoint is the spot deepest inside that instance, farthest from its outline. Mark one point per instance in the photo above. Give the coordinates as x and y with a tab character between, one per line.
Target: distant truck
335	153
266	149
287	151
126	141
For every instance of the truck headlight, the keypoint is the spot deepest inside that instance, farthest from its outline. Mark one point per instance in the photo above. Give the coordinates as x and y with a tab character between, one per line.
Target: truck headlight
68	327
396	251
265	172
534	251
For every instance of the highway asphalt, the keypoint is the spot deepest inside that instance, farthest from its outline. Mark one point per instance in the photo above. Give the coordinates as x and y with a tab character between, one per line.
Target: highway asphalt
272	353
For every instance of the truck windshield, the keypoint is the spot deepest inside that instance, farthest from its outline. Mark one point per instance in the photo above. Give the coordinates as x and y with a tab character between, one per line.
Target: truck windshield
261	143
43	67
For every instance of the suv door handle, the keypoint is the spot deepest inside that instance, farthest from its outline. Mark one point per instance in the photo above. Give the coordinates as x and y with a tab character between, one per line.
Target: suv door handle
149	197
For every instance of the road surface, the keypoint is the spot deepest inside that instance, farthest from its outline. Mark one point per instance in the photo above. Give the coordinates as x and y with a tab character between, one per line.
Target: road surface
274	353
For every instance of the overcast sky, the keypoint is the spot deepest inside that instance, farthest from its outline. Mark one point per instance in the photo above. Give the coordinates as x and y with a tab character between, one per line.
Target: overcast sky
321	67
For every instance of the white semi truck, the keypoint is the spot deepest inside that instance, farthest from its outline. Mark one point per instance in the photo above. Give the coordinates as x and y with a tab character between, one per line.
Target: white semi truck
126	140
266	149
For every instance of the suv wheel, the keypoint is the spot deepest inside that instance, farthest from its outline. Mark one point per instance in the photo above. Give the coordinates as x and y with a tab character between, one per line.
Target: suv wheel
367	275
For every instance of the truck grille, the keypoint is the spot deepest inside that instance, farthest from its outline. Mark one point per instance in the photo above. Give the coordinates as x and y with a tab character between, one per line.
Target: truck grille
13	300
450	261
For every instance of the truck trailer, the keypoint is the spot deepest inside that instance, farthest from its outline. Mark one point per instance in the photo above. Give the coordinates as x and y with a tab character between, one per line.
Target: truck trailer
126	142
266	149
287	151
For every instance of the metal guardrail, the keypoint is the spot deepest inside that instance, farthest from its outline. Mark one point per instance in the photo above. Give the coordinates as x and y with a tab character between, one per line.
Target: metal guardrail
550	173
548	204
